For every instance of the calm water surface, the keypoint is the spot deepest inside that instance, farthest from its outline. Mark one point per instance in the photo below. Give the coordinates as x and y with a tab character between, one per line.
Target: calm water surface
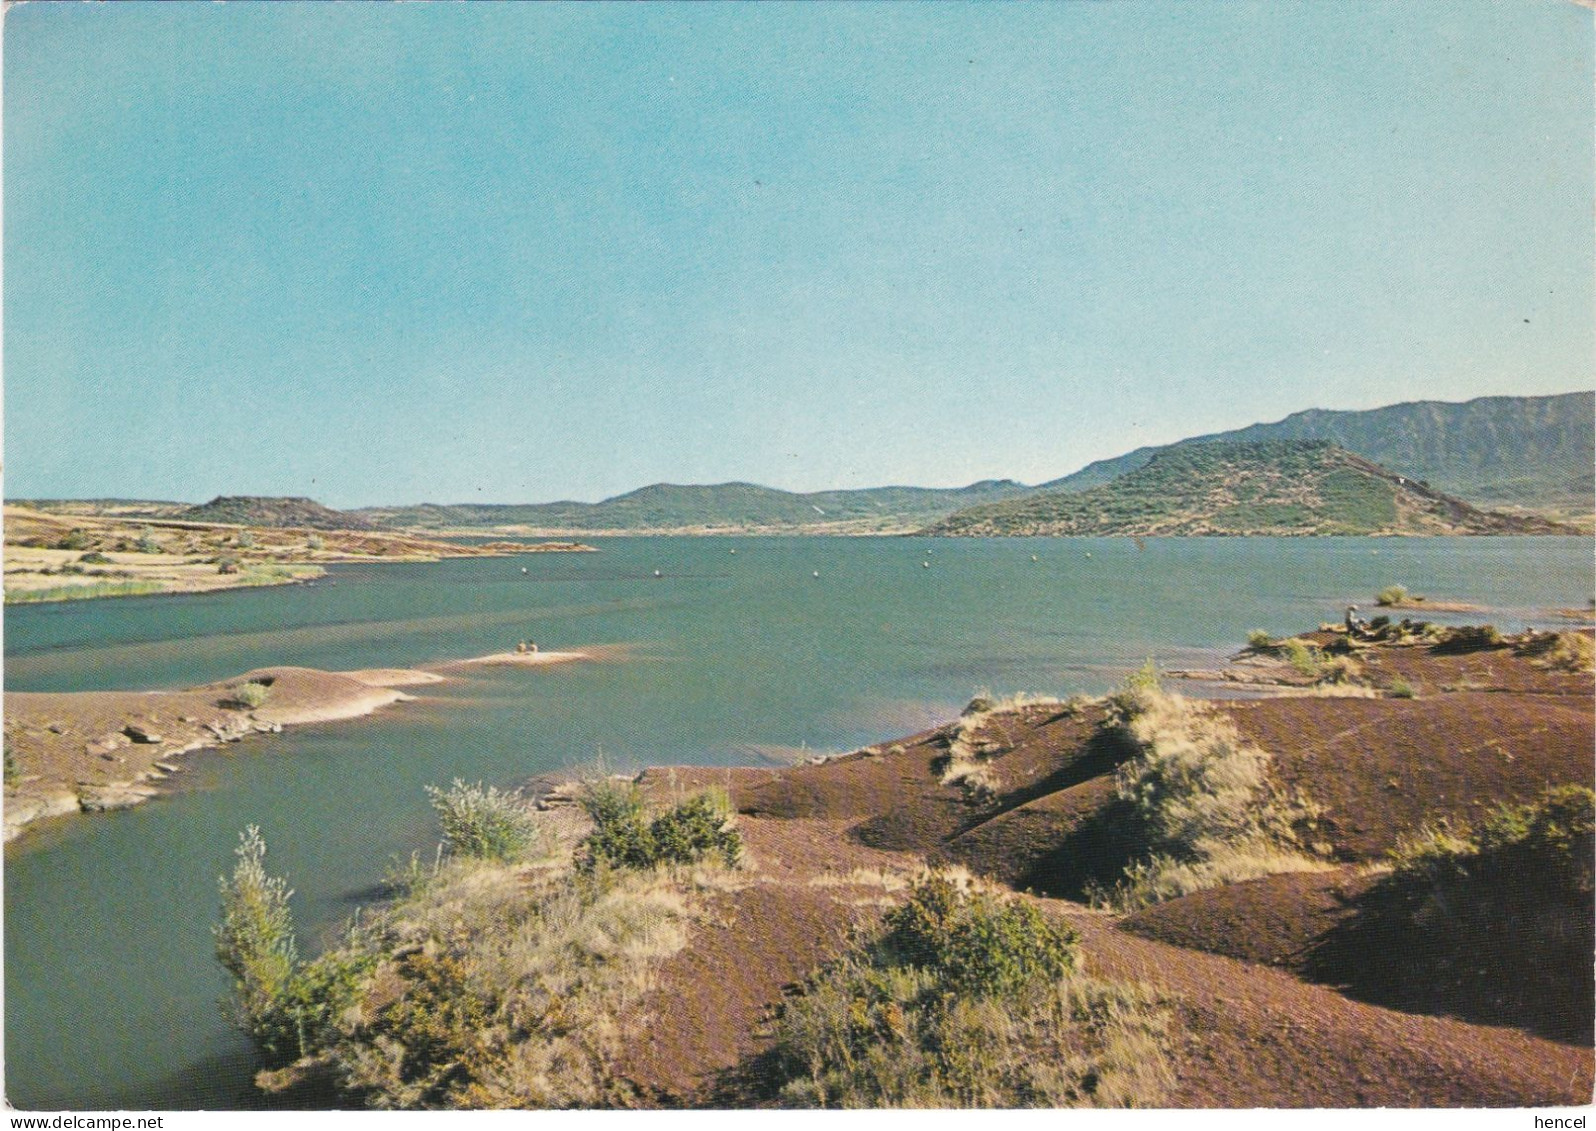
736	654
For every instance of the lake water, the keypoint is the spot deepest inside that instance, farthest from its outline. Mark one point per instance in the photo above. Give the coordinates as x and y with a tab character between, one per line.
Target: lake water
736	654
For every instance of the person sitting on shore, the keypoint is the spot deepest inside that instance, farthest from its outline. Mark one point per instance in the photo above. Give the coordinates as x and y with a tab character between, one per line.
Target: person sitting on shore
520	649
1355	623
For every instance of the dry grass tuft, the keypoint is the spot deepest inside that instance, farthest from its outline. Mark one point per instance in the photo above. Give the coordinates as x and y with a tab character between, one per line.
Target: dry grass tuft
1208	806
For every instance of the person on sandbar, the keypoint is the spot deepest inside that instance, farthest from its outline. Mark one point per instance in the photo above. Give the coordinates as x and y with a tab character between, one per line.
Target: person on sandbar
1355	623
520	649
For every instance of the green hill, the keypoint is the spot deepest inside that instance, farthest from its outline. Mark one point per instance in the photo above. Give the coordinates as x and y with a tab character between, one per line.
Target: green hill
718	507
1536	452
260	510
1265	487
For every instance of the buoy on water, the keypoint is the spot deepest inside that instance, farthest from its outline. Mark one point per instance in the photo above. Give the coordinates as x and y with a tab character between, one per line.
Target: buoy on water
656	573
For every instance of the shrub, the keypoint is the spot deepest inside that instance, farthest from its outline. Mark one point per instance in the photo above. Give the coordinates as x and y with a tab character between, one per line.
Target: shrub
974	943
249	696
147	543
11	771
482	822
255	944
1391	596
698	827
1341	669
491	985
1203	799
1467	638
1402	689
246	539
315	542
961	999
1260	641
1140	692
1494	923
94	557
76	539
1562	651
1302	656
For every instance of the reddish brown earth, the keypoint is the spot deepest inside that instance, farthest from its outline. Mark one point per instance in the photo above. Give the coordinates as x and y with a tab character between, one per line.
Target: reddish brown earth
832	844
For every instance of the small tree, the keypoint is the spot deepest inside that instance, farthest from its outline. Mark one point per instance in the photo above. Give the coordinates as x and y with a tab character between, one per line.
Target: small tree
147	543
255	944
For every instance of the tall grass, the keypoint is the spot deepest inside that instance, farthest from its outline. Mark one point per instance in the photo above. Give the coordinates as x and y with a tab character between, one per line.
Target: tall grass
1209	811
980	735
84	592
490	980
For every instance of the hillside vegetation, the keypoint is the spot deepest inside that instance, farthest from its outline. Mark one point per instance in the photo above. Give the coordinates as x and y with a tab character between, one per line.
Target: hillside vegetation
1266	487
258	510
720	507
1528	451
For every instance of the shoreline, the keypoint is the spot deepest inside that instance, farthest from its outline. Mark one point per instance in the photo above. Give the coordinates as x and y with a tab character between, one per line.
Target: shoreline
98	751
53	557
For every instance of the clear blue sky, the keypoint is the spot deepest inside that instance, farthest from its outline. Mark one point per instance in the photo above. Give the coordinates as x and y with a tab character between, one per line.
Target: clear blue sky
516	253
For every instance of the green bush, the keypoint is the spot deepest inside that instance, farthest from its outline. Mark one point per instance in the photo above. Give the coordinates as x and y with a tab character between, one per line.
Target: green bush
438	1026
249	696
1402	689
482	822
1391	596
11	772
255	944
623	837
964	1000
246	539
1468	638
315	542
94	557
1302	656
1140	691
75	539
147	543
975	944
697	828
1260	641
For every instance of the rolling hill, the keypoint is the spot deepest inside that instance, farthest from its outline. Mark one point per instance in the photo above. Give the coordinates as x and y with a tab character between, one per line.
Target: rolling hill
1535	452
259	510
1262	487
719	507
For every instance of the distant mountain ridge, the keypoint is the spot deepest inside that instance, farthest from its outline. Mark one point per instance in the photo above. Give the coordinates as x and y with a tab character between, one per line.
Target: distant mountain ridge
1537	452
1267	487
723	506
